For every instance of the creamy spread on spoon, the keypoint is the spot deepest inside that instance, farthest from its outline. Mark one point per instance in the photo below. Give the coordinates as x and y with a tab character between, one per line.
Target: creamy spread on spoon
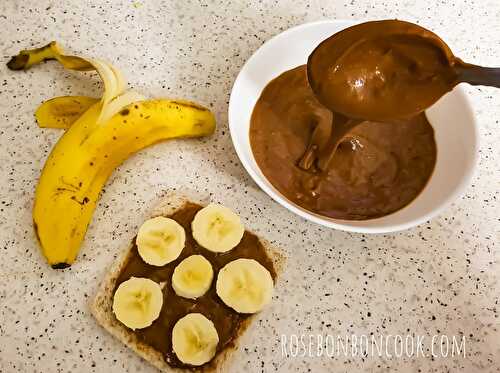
382	70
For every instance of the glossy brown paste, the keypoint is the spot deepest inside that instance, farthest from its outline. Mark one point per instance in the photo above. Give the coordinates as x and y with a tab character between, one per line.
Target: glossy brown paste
382	70
227	321
378	169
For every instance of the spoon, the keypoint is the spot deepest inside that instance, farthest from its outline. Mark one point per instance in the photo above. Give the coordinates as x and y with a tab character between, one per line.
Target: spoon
383	71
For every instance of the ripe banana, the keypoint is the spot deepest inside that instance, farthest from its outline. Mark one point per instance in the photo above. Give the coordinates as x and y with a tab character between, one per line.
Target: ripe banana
192	277
245	285
194	339
62	112
160	240
217	228
86	155
120	124
137	302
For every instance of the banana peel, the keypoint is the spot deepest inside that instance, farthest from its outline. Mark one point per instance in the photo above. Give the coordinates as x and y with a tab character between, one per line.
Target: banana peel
96	141
114	82
52	51
62	112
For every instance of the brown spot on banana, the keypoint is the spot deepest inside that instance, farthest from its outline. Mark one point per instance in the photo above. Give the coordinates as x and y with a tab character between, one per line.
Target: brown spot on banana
37	234
190	105
82	202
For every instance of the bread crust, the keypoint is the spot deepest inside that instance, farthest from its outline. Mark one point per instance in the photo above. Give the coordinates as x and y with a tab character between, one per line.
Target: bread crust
101	306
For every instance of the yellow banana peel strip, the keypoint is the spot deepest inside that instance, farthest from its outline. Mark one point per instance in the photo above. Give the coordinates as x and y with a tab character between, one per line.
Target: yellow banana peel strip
62	112
52	51
114	83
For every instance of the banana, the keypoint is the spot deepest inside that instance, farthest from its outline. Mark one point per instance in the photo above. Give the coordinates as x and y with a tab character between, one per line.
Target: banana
160	240
192	277
245	285
217	228
86	155
120	124
137	302
62	112
194	339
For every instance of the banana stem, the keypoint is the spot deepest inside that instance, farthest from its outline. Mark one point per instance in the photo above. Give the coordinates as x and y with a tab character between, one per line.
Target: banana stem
29	57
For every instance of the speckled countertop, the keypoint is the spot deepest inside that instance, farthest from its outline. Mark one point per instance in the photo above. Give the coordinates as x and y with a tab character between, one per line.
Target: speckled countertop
439	278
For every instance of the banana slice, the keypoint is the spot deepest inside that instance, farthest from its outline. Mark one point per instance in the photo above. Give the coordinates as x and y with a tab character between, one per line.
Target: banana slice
192	277
194	339
245	285
217	228
137	302
160	240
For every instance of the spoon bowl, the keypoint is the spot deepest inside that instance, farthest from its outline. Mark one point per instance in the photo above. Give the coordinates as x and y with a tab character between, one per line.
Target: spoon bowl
381	70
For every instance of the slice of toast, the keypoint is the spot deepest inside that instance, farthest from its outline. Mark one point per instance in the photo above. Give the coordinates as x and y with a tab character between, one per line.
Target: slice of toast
101	307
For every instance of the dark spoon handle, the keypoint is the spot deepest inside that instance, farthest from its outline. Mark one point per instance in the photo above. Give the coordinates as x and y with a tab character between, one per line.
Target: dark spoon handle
478	75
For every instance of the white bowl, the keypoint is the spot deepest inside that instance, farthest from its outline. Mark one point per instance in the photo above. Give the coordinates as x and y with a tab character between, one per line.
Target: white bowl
451	117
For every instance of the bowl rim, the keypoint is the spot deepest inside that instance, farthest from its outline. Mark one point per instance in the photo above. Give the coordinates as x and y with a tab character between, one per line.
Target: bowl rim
340	224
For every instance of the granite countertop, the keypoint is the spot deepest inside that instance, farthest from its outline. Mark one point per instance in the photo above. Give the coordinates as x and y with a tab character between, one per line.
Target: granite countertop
441	278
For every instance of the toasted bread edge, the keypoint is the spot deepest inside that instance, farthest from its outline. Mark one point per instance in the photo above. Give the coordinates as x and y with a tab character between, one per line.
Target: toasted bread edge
101	306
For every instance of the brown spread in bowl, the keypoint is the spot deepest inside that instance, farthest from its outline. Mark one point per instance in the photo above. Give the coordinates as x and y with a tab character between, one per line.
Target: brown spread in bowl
378	169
